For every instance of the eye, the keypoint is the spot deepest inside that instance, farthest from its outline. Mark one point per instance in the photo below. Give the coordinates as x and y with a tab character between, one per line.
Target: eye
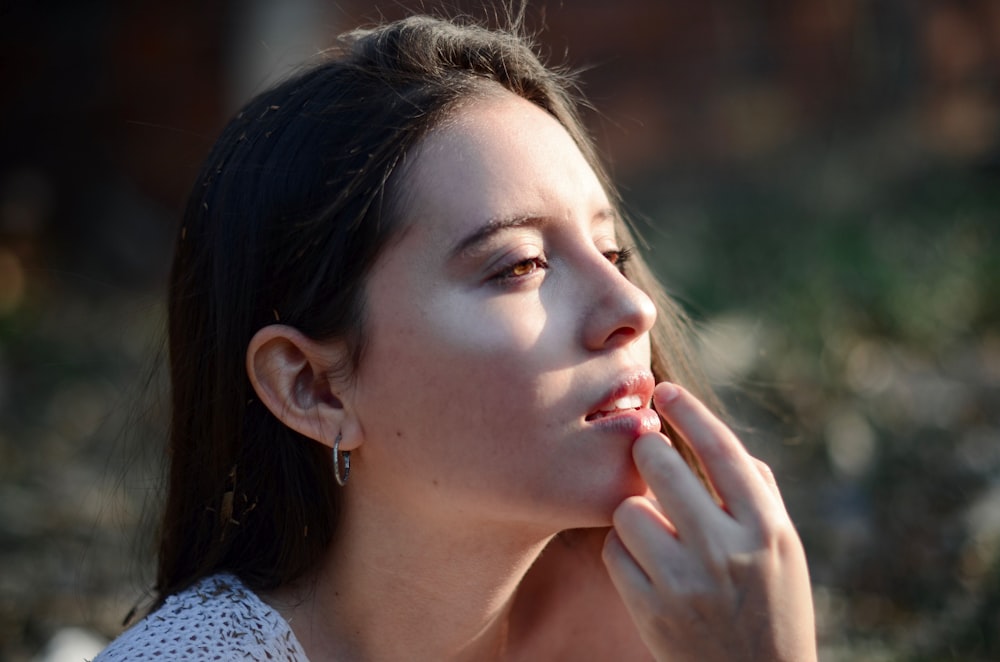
521	269
619	257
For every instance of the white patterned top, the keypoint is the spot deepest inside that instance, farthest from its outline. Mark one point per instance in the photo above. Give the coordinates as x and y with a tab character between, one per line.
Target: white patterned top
218	618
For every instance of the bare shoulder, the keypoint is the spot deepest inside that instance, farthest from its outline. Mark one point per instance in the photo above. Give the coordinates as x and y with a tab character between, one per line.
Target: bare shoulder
567	607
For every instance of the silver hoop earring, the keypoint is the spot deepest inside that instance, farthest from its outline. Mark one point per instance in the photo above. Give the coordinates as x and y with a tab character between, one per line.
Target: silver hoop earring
341	478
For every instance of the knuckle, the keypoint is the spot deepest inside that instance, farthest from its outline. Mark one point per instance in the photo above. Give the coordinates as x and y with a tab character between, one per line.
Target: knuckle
776	536
771	525
721	564
788	543
655	614
717	449
699	596
739	565
765	470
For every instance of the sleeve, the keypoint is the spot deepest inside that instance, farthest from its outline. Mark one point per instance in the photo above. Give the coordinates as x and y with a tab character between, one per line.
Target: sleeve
214	620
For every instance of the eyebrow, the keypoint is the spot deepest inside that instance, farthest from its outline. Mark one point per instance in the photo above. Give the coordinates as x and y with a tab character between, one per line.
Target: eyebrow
495	226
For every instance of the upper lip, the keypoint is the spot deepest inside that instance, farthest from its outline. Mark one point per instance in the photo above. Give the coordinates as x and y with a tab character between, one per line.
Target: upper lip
638	384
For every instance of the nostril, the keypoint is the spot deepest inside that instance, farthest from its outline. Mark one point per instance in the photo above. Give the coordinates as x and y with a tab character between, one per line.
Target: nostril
621	335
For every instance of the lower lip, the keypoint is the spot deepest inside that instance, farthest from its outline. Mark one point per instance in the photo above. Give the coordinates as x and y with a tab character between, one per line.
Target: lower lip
632	422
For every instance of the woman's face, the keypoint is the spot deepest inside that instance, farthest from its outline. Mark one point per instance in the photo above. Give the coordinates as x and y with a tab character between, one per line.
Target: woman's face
506	373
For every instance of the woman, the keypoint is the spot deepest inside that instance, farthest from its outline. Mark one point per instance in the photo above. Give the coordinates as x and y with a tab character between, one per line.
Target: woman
413	364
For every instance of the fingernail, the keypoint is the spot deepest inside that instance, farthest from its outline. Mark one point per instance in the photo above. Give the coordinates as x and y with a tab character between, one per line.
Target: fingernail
665	392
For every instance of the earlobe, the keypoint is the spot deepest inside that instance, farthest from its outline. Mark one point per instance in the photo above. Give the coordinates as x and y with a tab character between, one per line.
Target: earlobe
289	371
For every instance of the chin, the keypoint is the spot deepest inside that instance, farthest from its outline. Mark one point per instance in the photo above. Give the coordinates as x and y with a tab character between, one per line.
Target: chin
603	502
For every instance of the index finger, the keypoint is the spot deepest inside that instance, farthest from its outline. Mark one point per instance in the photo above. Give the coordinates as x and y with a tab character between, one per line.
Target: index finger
728	466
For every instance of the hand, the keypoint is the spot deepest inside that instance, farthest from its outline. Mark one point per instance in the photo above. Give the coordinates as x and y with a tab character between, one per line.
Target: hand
704	582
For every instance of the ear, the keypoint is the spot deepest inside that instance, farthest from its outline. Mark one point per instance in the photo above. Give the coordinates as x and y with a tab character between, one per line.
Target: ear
290	373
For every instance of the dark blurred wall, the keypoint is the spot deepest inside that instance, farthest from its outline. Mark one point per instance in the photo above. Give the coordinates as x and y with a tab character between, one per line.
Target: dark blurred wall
110	105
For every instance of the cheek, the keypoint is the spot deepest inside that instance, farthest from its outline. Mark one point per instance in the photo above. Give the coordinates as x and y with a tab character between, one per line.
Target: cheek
441	365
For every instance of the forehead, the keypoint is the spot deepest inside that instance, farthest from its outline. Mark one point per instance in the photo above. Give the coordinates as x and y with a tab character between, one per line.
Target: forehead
500	156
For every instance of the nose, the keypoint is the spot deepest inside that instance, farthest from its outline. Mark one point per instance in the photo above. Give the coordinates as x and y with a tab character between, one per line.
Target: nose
619	311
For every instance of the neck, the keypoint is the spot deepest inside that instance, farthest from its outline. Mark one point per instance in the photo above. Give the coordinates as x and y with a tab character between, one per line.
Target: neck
391	590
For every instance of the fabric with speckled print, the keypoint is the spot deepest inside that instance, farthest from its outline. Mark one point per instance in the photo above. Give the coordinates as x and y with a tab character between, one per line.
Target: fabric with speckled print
217	618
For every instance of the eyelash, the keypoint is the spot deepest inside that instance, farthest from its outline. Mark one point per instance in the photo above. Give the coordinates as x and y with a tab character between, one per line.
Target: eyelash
619	258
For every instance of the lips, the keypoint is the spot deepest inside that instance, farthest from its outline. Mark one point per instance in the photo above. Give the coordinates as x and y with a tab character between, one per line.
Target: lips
631	393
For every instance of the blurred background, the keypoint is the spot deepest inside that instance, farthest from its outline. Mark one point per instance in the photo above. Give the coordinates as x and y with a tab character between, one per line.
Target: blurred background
818	184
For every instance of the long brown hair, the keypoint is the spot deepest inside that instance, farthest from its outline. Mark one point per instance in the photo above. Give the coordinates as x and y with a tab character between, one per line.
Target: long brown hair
288	215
